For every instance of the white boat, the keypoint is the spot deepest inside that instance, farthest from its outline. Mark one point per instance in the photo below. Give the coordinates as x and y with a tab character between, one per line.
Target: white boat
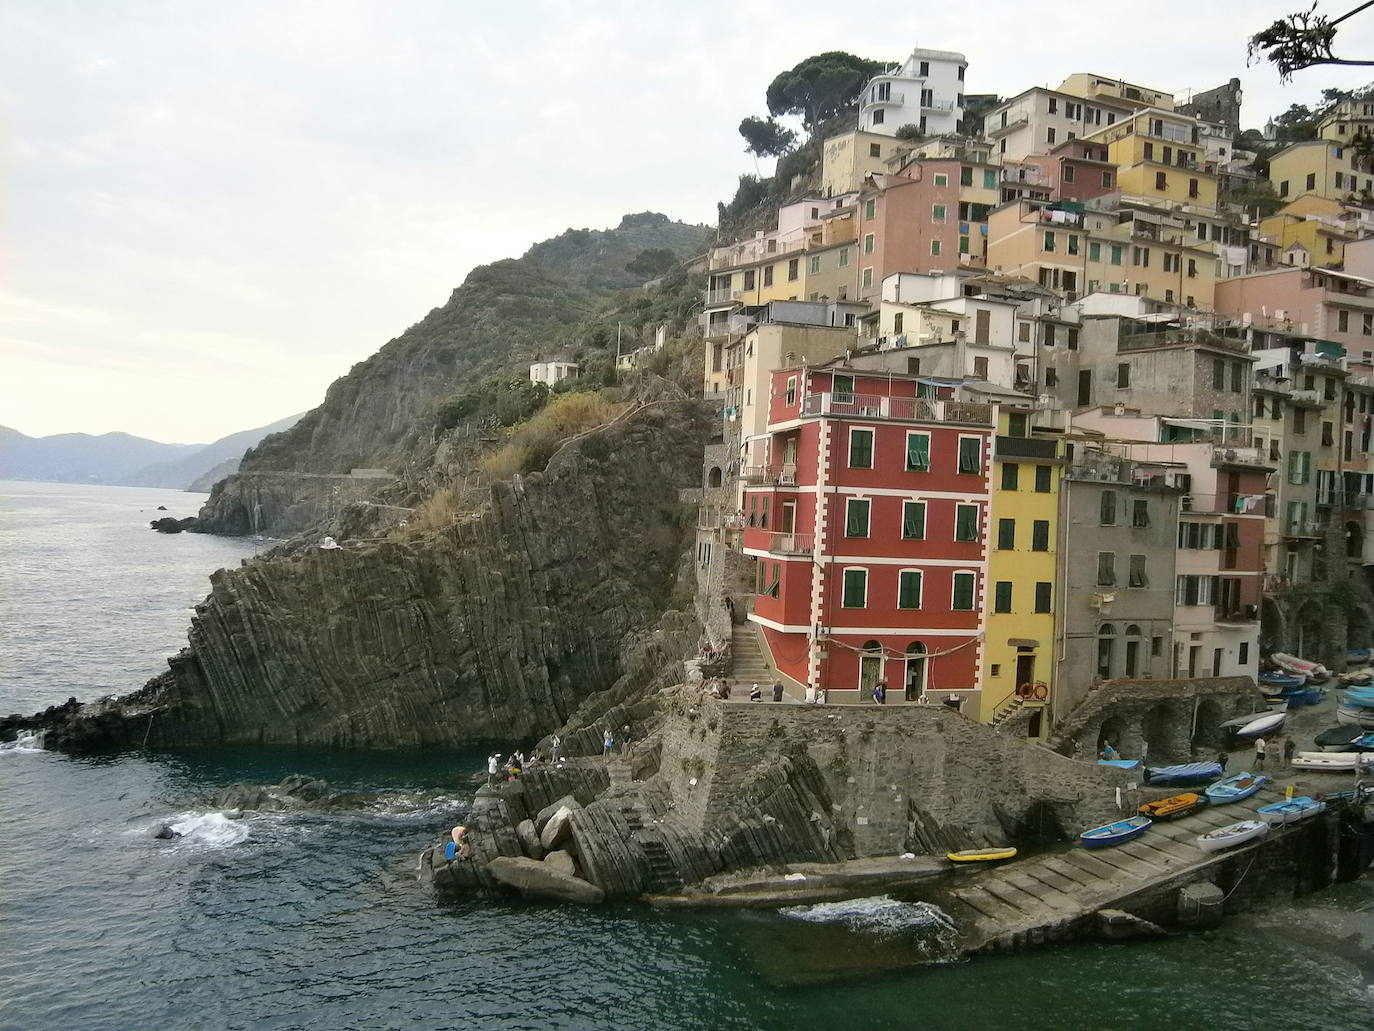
1332	762
1293	664
1263	725
1232	834
1276	814
1353	716
1236	722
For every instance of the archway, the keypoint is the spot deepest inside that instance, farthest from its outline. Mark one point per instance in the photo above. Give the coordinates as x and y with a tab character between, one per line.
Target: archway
1310	633
1155	732
713	478
1112	732
1106	650
1273	627
1133	650
915	671
1359	629
1206	726
870	668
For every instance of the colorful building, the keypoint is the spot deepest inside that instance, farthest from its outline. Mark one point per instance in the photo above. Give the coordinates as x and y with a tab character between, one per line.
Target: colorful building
868	525
1160	156
1323	168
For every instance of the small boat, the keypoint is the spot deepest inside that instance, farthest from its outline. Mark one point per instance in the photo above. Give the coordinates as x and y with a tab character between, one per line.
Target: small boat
1339	739
981	855
1359	696
1304	696
1276	814
1293	664
1357	678
1352	715
1331	762
1282	681
1120	764
1363	743
1264	725
1183	773
1232	834
1235	787
1115	833
1236	722
1173	807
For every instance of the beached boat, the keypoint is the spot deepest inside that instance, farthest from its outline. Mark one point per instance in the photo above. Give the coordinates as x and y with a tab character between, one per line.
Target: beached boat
1120	764
1264	725
1339	739
1235	787
1293	664
1356	678
1276	814
1303	696
981	855
1115	833
1183	773
1282	681
1231	835
1352	715
1173	807
1362	697
1236	722
1331	762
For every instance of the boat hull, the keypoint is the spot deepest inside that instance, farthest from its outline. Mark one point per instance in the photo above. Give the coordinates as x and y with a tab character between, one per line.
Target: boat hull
1232	835
1185	773
1173	807
1115	833
1235	788
981	855
1279	813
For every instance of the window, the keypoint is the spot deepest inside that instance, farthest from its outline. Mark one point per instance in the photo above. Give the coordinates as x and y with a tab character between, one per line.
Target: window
749	279
1140	513
791	390
937	212
1311	180
868	277
965	522
1106	569
768	275
1006	534
1123	375
1001	596
856	517
909	589
897	321
1068	173
1043	594
793	269
1010	474
925	68
1051	377
1299	417
966	176
855	589
1094	251
860	448
1040	535
879	116
1042	479
1192	188
980	368
989	178
1244	656
918	452
1137	577
962	599
970	455
1107	514
815	265
1073	243
934	246
875	150
941	179
870	208
1049	241
1343	321
1116	254
1161	181
1218	374
1299	467
913	520
1049	135
1107	180
1106	644
844	257
1054	105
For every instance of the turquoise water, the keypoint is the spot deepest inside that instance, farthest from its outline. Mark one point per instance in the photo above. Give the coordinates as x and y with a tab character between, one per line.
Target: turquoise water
313	919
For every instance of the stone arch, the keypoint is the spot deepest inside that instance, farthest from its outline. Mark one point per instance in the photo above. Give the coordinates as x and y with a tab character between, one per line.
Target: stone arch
713	478
914	678
1113	731
1155	727
1206	735
1309	634
1359	627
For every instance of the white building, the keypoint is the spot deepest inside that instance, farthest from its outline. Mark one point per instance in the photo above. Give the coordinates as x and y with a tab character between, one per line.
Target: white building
1038	120
550	373
926	91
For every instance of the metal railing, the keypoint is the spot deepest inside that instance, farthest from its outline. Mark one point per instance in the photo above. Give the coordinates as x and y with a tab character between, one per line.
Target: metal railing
792	543
1240	456
909	409
1178	338
762	475
1303	528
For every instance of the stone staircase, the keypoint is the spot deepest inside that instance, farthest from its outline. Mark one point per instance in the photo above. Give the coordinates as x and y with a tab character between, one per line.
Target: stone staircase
1007	710
663	872
748	665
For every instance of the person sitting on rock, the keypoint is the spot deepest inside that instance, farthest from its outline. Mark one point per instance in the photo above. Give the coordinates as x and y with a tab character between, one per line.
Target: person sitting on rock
755	694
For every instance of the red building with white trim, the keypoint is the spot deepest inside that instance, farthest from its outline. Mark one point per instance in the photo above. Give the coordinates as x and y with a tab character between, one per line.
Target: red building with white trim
869	529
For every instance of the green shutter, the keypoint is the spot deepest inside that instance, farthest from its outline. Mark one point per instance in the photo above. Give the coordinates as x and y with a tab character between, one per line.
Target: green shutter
970	455
861	449
855	587
966	523
918	452
963	591
908	589
914	520
1006	534
1002	599
856	518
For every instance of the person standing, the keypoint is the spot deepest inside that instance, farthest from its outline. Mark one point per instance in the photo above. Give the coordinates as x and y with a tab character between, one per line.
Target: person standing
556	748
880	693
1289	748
493	768
607	742
1222	759
1260	747
777	690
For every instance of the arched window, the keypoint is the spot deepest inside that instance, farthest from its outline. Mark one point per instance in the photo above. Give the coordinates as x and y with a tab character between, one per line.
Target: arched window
1106	650
1133	646
870	668
714	478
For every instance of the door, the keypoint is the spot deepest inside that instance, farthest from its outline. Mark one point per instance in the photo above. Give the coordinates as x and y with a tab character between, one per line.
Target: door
843	390
1132	658
1194	657
915	671
1216	662
870	671
1085	387
981	323
789	517
1025	668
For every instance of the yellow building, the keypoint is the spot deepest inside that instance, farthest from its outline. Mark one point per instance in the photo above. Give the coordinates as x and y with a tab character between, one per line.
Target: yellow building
1347	120
848	158
1320	167
1320	237
1098	87
1159	156
1021	599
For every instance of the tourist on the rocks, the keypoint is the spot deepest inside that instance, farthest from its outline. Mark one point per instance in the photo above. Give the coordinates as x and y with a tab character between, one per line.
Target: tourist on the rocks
1260	747
493	768
1289	748
625	730
556	749
777	690
1108	752
607	742
755	694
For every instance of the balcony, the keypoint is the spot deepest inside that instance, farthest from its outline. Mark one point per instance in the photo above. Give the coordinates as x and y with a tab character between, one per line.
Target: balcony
1179	338
1027	447
903	409
1170	132
714	298
1304	528
1012	125
1249	457
784	475
792	543
888	99
1236	615
937	105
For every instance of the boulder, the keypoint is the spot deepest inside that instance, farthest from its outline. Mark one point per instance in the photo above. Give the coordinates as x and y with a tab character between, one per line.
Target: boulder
165	832
546	814
167	525
542	881
562	861
529	839
557	830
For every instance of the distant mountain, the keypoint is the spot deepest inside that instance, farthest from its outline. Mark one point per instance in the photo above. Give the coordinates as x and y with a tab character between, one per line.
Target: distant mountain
121	458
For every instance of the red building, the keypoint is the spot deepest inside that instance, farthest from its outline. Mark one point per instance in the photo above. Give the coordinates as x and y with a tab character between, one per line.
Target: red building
1077	170
868	526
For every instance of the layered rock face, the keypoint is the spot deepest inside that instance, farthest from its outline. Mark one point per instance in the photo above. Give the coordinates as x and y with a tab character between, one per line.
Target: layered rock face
498	626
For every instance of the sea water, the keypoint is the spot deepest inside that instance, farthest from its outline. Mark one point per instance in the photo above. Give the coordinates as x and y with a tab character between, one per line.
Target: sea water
313	918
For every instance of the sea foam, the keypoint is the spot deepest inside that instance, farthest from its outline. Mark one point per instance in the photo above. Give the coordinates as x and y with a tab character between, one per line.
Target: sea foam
29	742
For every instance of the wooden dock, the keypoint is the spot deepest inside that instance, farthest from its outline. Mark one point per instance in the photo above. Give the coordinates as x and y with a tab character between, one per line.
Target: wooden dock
1053	897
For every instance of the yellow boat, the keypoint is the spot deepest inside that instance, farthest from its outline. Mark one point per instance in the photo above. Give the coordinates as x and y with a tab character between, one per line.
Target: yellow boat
981	855
1173	807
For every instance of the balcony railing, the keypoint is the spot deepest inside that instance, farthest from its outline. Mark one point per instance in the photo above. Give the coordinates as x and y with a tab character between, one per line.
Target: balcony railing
883	100
1303	528
937	105
1252	456
1178	338
792	543
1026	447
784	475
722	296
908	409
1236	613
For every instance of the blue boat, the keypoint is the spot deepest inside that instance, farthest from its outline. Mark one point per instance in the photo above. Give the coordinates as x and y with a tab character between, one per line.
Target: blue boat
1290	811
1235	787
1282	681
1303	696
1115	833
1120	764
1184	773
1359	697
1363	743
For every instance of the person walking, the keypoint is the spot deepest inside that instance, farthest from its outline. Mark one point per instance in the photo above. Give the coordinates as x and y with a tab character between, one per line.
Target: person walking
777	690
493	768
1289	748
1260	747
607	742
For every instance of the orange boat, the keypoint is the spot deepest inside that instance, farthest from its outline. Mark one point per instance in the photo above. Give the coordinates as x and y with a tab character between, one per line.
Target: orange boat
1173	807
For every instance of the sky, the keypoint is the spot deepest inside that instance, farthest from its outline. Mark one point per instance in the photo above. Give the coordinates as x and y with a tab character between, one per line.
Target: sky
210	211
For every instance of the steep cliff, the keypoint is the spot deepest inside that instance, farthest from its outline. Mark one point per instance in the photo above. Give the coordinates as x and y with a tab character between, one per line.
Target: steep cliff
381	413
498	626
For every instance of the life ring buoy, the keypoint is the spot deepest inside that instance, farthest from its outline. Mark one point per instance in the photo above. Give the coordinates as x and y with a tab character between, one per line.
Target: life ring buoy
1041	691
1023	690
